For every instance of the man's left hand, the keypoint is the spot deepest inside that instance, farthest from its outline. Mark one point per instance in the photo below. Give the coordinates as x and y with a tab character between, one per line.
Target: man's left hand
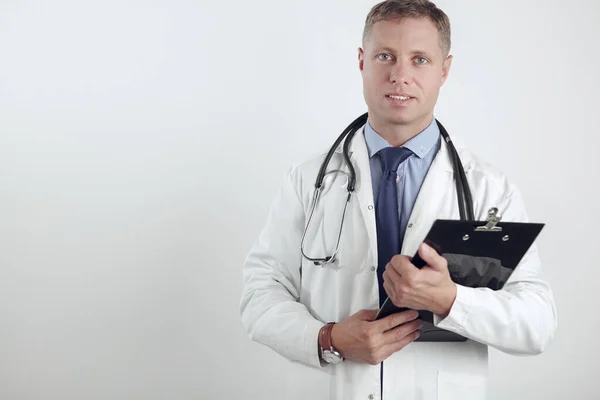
429	288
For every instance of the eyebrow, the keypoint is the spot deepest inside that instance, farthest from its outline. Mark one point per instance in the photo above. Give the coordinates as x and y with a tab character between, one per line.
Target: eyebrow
414	52
389	50
421	53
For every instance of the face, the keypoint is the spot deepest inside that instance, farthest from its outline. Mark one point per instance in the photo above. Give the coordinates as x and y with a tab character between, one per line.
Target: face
403	68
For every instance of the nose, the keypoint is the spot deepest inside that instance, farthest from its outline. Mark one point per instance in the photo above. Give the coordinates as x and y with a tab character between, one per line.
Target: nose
401	73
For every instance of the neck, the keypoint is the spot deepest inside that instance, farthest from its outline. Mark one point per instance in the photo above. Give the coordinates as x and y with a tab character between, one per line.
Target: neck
398	134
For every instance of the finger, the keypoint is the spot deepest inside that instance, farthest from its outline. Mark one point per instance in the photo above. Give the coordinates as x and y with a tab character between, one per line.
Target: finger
391	274
402	266
402	331
390	282
367	315
389	290
392	321
388	287
392	348
432	257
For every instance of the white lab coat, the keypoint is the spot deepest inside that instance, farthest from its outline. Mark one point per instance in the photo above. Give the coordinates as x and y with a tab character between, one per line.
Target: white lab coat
287	299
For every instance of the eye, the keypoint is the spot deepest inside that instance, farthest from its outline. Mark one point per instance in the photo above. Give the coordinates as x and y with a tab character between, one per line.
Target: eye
421	60
384	57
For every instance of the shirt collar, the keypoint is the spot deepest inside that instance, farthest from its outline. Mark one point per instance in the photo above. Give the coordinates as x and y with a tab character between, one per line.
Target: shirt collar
420	145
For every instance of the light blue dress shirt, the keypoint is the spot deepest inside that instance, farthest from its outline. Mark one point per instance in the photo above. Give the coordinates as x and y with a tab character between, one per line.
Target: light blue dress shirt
411	173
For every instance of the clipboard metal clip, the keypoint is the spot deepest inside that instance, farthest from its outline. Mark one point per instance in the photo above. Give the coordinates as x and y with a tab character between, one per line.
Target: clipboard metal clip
492	219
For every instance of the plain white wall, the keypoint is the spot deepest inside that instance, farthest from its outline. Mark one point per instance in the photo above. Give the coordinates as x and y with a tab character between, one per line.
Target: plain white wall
141	144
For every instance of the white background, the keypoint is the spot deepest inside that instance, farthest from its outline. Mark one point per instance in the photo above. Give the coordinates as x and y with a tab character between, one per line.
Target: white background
142	142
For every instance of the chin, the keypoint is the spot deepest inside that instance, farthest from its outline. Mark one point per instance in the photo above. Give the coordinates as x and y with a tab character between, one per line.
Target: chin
400	119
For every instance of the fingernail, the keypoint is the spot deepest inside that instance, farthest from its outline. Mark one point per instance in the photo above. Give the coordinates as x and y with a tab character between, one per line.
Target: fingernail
419	324
414	314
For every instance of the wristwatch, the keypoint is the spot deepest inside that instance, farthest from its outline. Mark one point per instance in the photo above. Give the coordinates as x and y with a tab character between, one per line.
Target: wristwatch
328	353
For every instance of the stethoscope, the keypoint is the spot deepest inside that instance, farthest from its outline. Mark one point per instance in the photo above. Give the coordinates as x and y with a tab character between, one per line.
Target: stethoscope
465	201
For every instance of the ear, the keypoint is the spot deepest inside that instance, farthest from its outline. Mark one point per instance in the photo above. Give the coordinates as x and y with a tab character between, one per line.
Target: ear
446	68
361	59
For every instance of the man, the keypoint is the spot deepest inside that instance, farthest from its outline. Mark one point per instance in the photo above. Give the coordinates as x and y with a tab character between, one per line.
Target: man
323	317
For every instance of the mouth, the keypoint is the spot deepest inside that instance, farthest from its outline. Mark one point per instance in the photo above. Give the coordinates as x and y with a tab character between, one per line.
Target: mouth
399	98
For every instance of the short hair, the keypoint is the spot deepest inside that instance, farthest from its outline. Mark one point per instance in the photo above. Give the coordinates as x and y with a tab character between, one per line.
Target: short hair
393	9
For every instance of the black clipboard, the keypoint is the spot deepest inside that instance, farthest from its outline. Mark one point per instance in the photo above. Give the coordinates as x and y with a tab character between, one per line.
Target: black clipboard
479	254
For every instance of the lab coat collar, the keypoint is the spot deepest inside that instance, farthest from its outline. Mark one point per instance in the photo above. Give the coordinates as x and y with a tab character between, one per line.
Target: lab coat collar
358	150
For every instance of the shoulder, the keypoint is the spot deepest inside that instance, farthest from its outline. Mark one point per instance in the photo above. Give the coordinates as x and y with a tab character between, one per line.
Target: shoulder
481	170
303	174
491	187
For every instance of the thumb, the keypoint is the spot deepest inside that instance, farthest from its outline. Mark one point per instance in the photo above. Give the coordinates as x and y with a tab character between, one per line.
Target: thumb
431	257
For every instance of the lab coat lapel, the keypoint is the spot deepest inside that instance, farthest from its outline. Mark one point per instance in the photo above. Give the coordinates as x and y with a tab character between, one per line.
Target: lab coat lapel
364	188
429	200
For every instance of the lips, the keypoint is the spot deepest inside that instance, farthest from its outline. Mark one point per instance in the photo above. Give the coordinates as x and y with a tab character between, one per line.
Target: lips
399	96
399	99
395	97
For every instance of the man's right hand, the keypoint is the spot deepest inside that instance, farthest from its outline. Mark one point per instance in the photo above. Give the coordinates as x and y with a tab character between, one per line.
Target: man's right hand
361	338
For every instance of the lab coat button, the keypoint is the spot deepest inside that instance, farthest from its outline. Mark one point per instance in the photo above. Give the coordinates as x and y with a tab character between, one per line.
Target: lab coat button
410	225
370	207
373	268
371	397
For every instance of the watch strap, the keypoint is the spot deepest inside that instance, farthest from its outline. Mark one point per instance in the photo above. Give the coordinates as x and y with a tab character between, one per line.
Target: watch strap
325	336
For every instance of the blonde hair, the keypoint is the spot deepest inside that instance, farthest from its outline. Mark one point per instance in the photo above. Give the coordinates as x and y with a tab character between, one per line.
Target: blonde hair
393	9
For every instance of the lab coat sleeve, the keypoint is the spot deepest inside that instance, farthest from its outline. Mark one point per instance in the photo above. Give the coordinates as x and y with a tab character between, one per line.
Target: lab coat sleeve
270	310
519	319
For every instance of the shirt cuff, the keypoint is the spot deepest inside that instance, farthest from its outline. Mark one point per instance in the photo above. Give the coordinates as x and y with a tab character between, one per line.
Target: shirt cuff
458	313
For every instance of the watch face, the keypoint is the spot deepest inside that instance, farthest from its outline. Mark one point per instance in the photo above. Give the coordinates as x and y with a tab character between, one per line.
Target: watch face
332	357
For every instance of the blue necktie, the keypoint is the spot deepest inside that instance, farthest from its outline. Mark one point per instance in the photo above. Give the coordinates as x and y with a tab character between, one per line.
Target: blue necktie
386	211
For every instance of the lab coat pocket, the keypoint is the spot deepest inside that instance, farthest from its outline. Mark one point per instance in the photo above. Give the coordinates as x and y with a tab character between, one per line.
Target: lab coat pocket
461	386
